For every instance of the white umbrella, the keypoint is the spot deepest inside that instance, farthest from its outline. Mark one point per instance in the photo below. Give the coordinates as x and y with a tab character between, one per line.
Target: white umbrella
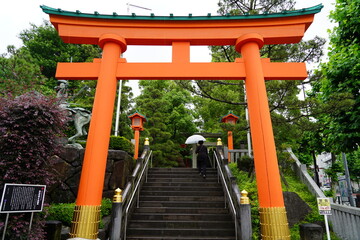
194	139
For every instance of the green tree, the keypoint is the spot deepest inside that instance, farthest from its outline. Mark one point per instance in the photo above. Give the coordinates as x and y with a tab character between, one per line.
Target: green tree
235	7
169	119
289	114
209	113
339	85
36	61
19	73
47	49
353	159
45	45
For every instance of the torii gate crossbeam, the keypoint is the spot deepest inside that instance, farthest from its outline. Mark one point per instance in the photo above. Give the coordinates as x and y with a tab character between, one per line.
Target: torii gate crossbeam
248	33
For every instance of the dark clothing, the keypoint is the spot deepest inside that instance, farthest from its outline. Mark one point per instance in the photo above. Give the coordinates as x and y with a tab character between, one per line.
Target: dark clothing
202	157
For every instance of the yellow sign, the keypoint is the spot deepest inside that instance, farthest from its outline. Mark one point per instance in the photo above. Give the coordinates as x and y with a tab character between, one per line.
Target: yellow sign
324	206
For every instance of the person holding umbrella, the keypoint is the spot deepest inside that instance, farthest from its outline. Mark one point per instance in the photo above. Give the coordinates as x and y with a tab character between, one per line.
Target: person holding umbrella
202	157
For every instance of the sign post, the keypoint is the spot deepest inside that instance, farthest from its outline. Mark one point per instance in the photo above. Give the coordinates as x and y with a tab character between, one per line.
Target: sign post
18	198
324	207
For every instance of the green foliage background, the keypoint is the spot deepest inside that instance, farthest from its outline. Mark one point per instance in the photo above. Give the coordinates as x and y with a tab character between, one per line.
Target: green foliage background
170	120
339	85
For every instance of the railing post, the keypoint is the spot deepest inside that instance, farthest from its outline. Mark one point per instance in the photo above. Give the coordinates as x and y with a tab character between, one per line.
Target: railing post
219	150
245	216
146	144
219	146
147	148
116	216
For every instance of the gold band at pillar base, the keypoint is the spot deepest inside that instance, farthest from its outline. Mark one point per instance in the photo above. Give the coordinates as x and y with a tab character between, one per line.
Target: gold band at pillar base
85	223
274	224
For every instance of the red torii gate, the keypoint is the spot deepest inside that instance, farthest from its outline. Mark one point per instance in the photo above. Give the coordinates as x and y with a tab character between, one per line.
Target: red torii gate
247	32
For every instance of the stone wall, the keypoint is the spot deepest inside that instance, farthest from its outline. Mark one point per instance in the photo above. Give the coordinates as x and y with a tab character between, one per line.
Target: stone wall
67	165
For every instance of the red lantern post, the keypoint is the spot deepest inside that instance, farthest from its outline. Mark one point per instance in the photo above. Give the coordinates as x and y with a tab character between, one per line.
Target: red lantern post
137	121
232	119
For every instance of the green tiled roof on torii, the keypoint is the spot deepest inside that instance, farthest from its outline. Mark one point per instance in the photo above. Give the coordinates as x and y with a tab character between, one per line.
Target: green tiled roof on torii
114	16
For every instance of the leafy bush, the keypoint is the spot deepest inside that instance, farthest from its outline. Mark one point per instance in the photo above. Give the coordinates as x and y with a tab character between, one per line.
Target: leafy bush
106	205
329	193
63	212
29	127
116	143
18	227
121	143
245	163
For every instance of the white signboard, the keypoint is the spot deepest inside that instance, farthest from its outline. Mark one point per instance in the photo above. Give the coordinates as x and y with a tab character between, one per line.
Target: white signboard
324	206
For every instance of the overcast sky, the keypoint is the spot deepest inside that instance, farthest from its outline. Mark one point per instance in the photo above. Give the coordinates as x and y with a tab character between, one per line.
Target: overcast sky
16	15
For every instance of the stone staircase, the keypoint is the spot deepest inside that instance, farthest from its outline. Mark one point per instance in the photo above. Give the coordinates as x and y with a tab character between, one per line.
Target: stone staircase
177	203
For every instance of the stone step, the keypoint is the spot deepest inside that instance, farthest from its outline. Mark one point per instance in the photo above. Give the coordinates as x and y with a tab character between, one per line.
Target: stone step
193	180
146	188
194	173
183	204
176	170
182	184
181	224
180	238
166	232
181	193
181	216
185	179
183	198
182	210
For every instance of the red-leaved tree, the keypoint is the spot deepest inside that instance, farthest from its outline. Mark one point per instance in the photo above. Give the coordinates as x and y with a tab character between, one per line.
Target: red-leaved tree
30	126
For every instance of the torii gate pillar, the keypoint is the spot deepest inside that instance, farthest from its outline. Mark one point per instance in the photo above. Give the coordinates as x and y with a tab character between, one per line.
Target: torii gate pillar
267	171
87	210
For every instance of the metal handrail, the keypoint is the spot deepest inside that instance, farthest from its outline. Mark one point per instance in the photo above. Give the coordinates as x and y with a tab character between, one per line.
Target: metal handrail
135	185
134	175
229	174
227	192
